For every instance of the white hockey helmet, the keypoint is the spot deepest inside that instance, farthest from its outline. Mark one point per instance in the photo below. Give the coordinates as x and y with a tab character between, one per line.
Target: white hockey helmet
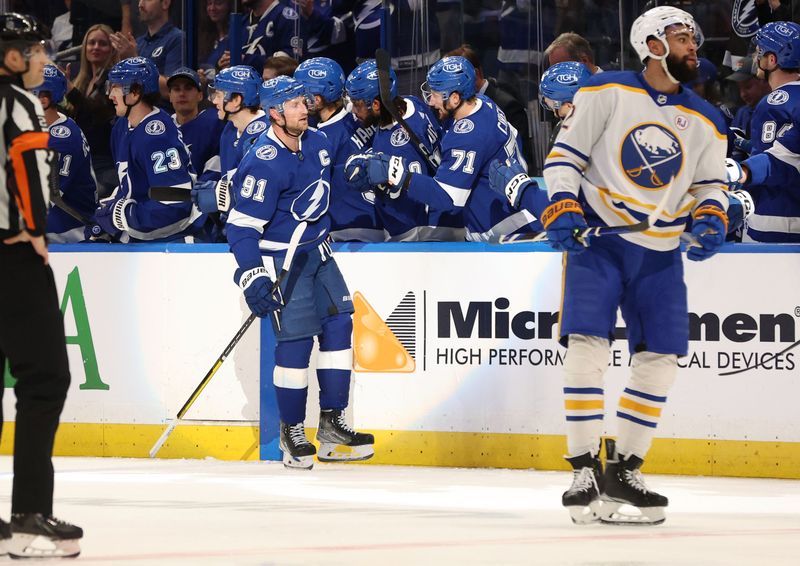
654	23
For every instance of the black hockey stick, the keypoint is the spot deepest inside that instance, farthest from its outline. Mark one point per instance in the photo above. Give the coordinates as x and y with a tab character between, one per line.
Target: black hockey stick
287	263
384	61
173	194
581	234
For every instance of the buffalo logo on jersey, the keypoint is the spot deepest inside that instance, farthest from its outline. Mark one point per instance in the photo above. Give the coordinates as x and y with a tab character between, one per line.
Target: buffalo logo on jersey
744	17
155	128
256	127
651	155
60	132
267	152
464	126
313	202
399	137
777	97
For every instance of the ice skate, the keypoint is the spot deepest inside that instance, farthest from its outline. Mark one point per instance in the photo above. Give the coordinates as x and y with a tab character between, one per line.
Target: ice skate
340	443
5	537
298	452
626	500
34	535
582	499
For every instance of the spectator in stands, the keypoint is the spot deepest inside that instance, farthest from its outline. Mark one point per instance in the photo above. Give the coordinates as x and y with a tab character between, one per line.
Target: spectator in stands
502	95
751	90
570	46
85	14
213	40
93	111
162	43
323	31
278	66
61	30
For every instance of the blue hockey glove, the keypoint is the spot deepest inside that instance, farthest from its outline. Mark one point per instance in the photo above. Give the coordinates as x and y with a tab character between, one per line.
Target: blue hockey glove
111	217
563	220
388	174
740	140
257	288
355	171
735	173
510	180
709	228
211	196
740	207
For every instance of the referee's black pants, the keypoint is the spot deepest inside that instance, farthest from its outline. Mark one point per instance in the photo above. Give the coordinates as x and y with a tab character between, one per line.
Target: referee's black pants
32	339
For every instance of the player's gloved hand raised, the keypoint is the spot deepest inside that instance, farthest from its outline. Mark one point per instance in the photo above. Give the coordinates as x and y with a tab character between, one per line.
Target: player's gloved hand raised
709	227
564	220
355	171
389	174
510	179
257	288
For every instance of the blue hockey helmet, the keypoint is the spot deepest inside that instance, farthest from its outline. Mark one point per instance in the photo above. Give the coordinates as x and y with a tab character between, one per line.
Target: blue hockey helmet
782	39
449	75
54	82
362	84
134	71
560	82
275	92
322	76
239	79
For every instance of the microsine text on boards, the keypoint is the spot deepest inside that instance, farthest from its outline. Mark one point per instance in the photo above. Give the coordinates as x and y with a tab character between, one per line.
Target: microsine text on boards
493	319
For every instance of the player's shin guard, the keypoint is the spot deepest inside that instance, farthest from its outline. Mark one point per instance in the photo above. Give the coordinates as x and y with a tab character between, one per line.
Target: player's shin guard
584	366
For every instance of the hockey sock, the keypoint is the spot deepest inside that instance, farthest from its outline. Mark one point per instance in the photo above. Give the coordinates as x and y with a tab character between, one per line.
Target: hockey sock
335	361
291	379
584	366
642	401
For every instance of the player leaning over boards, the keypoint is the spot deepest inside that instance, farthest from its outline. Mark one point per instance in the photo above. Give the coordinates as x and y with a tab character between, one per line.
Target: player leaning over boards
631	137
31	325
282	181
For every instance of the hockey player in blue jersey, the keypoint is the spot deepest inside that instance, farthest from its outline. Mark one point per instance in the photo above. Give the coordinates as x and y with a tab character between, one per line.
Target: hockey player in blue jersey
776	211
353	215
149	152
76	181
236	99
280	183
479	135
270	29
635	144
403	218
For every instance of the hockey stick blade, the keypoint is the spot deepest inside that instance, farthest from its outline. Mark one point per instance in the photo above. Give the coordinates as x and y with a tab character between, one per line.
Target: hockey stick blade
294	242
170	194
384	61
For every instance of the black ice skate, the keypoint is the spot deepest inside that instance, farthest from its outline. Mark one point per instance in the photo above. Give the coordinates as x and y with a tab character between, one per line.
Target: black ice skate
5	537
626	499
582	499
34	535
340	443
298	452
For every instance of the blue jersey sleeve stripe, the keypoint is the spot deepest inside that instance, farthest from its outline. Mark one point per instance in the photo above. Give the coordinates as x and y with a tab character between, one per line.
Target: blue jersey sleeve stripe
563	164
562	145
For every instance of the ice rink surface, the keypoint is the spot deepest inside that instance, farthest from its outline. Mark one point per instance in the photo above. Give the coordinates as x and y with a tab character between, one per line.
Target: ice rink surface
200	512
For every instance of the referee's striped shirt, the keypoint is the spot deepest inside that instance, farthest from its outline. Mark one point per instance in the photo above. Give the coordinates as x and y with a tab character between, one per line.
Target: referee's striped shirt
25	171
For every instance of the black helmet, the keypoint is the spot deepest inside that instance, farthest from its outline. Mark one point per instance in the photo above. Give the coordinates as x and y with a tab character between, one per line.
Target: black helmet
21	29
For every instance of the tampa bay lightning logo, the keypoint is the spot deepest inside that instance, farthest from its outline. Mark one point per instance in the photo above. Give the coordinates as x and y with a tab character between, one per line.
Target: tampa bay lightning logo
313	202
651	155
256	127
60	132
399	137
744	18
777	97
267	152
155	128
464	126
158	51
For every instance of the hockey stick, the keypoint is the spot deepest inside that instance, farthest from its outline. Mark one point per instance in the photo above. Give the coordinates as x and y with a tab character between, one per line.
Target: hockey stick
287	263
176	194
383	61
582	233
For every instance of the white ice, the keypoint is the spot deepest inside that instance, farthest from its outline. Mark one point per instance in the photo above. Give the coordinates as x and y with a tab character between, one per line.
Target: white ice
201	512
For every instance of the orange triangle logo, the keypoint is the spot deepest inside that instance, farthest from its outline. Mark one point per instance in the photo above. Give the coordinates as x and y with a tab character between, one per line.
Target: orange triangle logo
376	349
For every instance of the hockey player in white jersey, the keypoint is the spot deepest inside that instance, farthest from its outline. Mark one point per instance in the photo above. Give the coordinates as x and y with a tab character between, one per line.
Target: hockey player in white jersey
634	140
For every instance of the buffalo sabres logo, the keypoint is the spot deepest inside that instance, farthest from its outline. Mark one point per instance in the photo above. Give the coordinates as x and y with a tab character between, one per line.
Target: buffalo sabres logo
399	137
267	152
464	126
744	17
155	128
255	127
313	202
651	154
60	132
777	97
158	51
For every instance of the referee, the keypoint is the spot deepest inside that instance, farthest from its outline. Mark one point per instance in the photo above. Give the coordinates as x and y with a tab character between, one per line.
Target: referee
31	325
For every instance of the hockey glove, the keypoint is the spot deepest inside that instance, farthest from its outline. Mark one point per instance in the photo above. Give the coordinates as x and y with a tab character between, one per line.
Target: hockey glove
740	207
211	196
564	220
257	288
510	180
355	171
740	140
111	217
736	175
709	228
388	174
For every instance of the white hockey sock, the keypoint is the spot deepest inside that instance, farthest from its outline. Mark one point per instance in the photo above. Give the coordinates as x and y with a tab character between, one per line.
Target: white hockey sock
584	366
642	401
